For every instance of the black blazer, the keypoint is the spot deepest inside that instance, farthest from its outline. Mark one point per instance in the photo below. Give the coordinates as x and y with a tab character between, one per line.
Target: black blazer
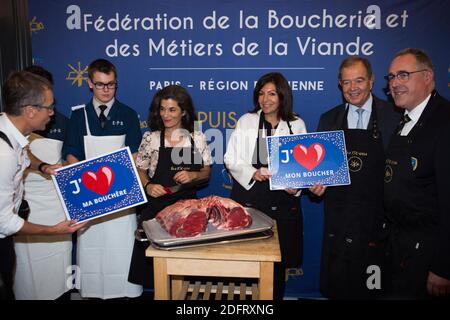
430	144
388	118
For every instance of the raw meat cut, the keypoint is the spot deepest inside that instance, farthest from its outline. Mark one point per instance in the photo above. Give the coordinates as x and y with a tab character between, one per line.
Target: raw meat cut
188	218
183	219
226	214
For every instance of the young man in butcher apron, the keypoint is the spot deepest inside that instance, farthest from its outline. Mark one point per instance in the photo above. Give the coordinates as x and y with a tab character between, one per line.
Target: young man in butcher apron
104	125
173	153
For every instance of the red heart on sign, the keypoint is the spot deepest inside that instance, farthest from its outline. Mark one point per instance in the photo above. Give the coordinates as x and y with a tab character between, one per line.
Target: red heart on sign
309	157
100	181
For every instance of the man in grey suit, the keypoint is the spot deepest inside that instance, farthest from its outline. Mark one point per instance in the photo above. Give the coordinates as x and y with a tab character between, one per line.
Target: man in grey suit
353	212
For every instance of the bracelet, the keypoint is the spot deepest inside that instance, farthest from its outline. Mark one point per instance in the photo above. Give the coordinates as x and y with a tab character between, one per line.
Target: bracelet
145	186
41	166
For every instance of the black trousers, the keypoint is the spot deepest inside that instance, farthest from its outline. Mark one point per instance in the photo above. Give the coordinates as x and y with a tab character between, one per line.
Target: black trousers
7	264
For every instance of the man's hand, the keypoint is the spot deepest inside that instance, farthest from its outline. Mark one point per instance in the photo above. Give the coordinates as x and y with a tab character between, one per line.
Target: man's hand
67	227
50	168
318	189
436	285
64	227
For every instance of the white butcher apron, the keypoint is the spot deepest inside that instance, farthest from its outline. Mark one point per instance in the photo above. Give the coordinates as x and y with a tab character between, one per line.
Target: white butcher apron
105	247
43	262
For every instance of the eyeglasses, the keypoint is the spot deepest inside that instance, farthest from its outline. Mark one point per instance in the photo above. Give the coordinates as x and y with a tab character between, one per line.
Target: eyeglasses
402	76
101	85
49	108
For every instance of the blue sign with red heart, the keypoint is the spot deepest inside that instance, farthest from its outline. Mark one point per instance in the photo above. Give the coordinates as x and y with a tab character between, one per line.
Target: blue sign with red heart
100	186
299	161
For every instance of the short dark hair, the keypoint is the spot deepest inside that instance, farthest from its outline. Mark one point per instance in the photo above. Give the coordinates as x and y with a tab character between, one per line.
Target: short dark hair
420	55
40	71
351	61
103	66
284	92
184	100
23	88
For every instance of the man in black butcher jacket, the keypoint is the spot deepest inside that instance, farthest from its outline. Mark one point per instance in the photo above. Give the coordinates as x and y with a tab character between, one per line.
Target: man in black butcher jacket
417	181
352	212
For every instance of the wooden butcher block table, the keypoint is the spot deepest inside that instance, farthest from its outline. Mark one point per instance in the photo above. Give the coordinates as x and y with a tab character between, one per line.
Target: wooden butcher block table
248	259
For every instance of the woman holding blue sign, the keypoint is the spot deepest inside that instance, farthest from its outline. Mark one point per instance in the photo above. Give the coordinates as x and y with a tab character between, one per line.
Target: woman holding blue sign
246	159
172	160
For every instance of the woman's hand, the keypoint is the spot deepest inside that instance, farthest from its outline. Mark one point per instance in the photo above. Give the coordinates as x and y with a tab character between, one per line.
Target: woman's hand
183	177
262	174
318	189
291	190
155	190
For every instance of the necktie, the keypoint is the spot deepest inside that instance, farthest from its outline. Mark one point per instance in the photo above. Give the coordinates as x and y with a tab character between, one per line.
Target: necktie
405	119
359	124
102	116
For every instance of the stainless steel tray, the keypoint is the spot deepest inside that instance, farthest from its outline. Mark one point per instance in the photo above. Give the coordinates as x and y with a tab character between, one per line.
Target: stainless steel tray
225	240
157	235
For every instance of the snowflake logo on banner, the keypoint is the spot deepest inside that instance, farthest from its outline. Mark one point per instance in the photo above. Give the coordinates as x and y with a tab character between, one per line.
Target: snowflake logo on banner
77	75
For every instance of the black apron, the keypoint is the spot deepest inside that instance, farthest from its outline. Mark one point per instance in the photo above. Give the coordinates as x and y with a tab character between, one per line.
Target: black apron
351	213
141	268
7	266
410	210
279	205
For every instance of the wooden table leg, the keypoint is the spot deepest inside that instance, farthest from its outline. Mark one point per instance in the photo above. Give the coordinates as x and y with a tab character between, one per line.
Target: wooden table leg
177	284
162	279
266	281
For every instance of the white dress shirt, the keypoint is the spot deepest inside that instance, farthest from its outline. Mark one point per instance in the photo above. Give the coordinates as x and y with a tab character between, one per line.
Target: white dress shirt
352	116
241	145
14	161
414	114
